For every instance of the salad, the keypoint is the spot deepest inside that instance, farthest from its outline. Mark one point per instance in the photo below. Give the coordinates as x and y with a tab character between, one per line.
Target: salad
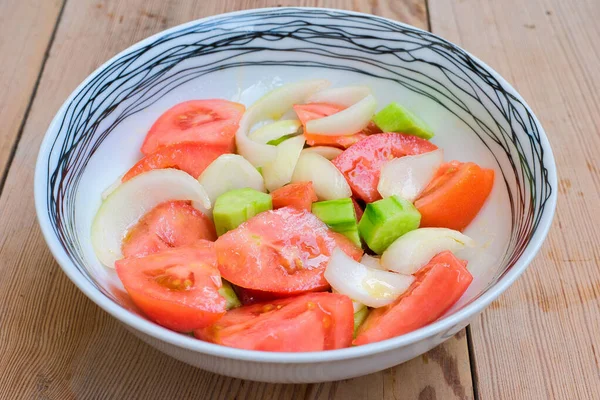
309	221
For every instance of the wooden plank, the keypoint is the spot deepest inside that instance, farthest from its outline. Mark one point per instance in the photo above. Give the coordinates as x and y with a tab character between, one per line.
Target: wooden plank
26	28
540	340
54	342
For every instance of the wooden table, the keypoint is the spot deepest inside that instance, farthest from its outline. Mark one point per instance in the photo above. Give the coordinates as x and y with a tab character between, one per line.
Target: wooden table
540	340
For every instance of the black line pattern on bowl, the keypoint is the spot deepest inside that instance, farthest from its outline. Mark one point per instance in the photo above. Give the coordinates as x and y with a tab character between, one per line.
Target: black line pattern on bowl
417	60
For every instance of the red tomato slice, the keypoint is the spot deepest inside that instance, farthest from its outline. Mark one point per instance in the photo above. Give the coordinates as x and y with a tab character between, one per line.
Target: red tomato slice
312	322
358	210
170	224
176	288
361	163
307	112
249	296
212	122
299	195
192	158
284	251
437	287
455	195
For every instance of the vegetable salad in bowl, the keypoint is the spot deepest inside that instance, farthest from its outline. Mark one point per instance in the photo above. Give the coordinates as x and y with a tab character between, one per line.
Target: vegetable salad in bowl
308	221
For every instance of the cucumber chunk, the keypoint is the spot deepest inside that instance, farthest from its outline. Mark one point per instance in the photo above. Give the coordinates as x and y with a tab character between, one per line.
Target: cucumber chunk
229	294
395	118
340	216
236	206
359	318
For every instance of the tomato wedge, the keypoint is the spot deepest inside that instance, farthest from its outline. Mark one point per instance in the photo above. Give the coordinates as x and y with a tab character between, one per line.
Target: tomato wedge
312	322
211	122
437	287
361	163
284	251
357	209
170	224
176	288
192	158
307	112
249	296
455	195
299	195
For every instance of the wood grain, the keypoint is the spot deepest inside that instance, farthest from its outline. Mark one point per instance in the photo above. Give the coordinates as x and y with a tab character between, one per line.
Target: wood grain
54	342
541	339
26	28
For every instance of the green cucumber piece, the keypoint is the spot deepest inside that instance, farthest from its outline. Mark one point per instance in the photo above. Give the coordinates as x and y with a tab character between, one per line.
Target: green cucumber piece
236	206
340	216
395	118
386	220
231	298
359	318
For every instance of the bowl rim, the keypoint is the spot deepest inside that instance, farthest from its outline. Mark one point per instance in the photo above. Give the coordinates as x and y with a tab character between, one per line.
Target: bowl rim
185	342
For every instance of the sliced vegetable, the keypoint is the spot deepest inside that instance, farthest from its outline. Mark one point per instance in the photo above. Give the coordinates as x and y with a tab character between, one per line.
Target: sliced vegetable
372	262
455	195
271	106
299	195
212	122
437	287
408	176
361	163
134	198
283	251
357	209
359	317
326	151
344	96
339	215
170	224
328	182
237	206
371	287
279	171
275	131
386	220
395	118
192	158
312	322
228	172
347	122
176	288
413	250
227	292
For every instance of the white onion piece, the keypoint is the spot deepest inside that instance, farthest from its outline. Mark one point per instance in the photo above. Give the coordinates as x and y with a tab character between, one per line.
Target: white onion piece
371	262
279	171
228	172
134	198
344	96
271	106
275	130
372	287
413	250
327	180
289	114
113	186
407	176
326	151
346	122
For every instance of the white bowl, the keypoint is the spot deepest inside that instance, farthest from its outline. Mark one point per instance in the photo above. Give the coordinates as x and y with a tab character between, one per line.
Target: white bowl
478	116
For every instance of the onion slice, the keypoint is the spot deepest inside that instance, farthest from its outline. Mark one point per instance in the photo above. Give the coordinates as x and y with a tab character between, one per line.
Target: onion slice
228	172
275	130
346	122
371	287
113	186
371	262
134	198
271	106
344	96
327	180
408	176
326	151
279	171
413	250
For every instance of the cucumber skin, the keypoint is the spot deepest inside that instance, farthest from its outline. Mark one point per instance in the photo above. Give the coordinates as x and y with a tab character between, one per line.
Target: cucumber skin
403	120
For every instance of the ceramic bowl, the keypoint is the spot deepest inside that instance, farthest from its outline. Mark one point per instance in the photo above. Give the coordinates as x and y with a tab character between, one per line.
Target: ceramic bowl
477	116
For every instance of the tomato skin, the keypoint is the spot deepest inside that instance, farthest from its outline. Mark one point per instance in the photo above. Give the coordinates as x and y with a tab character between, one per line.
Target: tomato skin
308	112
455	195
357	209
169	224
192	158
249	296
212	122
299	195
156	284
284	251
361	163
311	322
437	287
